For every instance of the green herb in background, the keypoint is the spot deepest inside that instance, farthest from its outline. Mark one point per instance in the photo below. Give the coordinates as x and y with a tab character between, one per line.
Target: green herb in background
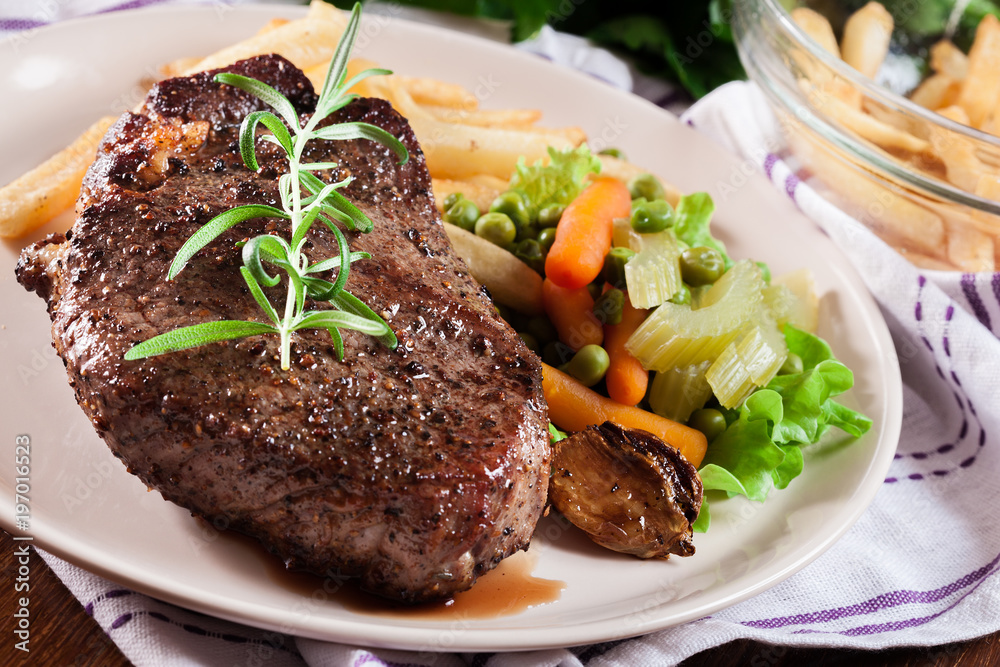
689	43
305	200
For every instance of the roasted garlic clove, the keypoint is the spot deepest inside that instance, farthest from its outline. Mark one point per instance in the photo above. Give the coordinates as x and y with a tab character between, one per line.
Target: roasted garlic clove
627	489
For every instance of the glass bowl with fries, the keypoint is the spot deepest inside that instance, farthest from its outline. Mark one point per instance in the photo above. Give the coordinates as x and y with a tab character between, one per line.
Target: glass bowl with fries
911	150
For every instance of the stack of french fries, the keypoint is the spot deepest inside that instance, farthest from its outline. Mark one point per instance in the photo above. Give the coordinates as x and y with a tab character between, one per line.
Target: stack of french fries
932	232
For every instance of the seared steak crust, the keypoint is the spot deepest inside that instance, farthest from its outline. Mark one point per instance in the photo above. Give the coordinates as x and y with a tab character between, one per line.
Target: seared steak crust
415	470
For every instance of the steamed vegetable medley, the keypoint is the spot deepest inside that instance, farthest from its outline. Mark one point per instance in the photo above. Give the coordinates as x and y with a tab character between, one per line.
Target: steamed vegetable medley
645	306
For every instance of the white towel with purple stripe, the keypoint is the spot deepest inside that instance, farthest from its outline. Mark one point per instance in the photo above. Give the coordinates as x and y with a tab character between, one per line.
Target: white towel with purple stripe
919	568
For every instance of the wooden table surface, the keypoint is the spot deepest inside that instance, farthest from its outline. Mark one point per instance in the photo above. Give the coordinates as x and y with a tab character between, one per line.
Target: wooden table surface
62	634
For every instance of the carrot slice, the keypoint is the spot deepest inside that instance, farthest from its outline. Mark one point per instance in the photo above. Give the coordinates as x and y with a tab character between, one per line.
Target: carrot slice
626	379
583	236
571	312
573	407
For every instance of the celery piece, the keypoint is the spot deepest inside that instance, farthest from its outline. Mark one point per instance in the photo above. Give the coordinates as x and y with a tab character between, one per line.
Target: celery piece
654	274
803	312
674	335
678	392
749	362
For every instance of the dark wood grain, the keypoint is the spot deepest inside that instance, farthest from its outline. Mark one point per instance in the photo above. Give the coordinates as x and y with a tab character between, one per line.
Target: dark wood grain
62	634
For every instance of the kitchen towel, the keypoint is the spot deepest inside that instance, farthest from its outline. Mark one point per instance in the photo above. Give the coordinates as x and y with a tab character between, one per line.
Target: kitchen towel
917	569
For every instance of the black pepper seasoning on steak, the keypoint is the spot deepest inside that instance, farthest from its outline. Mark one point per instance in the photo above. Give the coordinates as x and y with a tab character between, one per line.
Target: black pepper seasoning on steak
415	470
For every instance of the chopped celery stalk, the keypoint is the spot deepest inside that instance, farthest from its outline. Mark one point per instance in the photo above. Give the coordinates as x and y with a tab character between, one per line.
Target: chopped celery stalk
781	303
678	392
654	275
805	313
623	236
749	362
674	336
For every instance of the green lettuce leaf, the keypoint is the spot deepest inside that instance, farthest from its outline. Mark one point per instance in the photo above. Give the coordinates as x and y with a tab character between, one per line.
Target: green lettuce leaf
691	223
559	181
761	447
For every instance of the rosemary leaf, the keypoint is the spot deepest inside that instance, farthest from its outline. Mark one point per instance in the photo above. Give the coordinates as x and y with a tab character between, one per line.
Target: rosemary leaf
197	335
217	225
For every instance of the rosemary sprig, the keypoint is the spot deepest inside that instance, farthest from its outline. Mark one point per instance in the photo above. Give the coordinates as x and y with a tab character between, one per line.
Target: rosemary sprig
305	200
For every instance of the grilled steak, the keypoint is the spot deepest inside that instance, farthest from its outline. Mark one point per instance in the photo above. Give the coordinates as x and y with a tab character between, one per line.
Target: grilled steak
415	470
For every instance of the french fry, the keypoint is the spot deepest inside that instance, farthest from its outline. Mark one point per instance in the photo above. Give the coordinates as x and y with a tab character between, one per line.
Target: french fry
963	167
981	87
50	188
948	59
868	127
818	27
306	42
509	280
504	118
178	67
969	249
937	91
892	215
866	38
425	90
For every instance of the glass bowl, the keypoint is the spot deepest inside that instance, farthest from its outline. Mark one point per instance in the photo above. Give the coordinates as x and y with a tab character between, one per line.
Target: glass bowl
927	185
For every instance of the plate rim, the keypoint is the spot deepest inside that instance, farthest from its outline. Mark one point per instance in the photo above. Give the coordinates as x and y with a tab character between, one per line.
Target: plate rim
404	636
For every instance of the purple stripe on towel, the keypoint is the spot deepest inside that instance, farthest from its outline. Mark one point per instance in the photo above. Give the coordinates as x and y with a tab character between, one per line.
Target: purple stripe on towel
881	602
972	296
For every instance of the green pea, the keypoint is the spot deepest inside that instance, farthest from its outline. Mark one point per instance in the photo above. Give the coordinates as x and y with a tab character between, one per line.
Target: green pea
556	353
546	237
596	288
496	228
451	199
543	330
701	266
649	217
793	365
530	342
609	306
614	266
682	297
530	252
514	205
550	215
646	185
613	152
709	421
588	365
464	213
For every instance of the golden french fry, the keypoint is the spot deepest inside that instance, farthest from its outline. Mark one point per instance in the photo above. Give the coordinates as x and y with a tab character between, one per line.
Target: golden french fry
988	187
178	67
948	59
481	195
937	91
818	27
969	249
306	42
868	127
50	188
981	87
509	280
425	90
962	164
901	222
866	38
510	118
923	261
276	22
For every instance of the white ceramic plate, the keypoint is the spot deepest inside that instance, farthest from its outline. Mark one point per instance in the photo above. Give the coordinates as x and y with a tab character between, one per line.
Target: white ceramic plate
88	510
